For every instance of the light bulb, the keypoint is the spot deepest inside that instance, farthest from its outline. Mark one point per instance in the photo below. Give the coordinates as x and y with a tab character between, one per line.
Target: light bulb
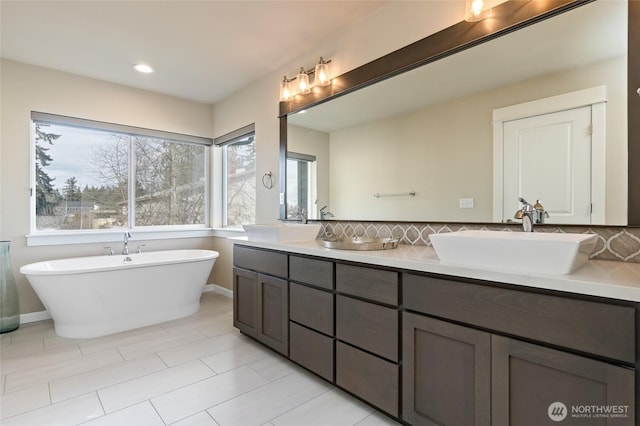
322	77
285	90
303	82
476	10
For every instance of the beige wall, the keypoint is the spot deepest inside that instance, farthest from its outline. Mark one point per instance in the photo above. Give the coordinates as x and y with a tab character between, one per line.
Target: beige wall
27	88
445	153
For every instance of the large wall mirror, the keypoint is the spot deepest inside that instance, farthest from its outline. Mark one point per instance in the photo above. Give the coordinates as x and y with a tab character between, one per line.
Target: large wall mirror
437	143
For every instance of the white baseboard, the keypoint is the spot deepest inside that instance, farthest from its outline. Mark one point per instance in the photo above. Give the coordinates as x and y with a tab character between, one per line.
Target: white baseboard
34	316
218	289
44	315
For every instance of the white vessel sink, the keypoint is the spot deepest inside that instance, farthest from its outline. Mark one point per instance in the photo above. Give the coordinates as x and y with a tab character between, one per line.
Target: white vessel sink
554	253
282	232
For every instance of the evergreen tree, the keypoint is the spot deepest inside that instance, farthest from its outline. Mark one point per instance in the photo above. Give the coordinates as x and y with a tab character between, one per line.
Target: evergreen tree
46	195
71	191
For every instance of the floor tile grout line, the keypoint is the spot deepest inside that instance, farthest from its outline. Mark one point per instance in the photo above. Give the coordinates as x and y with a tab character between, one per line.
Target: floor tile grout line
69	376
40	365
156	410
298	406
98	390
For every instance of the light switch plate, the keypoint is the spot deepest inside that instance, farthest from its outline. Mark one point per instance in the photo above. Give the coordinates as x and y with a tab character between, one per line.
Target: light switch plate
465	203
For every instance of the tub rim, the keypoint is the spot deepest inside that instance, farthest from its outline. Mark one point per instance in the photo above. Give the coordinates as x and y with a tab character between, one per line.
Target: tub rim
32	268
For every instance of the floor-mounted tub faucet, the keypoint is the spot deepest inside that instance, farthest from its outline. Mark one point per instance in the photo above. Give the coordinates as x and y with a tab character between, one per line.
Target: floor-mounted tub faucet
125	249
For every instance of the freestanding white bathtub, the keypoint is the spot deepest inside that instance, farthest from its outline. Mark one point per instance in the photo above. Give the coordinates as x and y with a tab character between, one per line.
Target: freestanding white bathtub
100	295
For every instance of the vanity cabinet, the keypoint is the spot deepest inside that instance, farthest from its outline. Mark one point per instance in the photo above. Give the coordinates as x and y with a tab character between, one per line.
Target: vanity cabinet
261	296
473	374
433	349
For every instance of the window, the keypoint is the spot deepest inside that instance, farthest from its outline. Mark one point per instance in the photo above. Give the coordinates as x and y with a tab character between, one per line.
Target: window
239	176
301	185
92	175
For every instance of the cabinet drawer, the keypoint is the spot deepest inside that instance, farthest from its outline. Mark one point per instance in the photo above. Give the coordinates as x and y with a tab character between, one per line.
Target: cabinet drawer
311	271
312	308
593	327
371	378
311	350
371	327
269	262
369	283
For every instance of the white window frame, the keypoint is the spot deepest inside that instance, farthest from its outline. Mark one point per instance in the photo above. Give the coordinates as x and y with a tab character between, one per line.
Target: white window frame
44	238
222	142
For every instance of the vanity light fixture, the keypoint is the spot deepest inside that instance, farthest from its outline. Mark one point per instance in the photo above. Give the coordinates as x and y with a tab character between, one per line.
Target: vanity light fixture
322	77
476	10
143	68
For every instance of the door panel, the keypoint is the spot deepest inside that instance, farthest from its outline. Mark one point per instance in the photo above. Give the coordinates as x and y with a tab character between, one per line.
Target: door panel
548	157
273	313
446	373
533	385
245	300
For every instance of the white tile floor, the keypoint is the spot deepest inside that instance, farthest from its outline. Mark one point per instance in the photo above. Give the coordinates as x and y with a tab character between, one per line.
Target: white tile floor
195	371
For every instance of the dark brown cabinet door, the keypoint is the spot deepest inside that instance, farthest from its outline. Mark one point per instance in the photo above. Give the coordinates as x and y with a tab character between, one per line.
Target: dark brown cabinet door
245	301
273	313
446	373
536	386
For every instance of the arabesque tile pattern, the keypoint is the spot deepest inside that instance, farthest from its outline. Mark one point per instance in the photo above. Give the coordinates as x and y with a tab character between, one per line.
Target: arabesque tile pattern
614	243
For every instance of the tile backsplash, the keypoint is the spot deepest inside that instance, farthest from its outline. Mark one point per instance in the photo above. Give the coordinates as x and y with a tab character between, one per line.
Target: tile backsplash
614	242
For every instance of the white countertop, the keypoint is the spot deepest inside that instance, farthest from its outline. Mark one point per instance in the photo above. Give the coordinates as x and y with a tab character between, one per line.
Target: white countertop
615	280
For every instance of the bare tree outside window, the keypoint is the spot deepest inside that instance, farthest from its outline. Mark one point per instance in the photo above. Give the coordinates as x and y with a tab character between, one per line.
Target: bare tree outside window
240	166
170	183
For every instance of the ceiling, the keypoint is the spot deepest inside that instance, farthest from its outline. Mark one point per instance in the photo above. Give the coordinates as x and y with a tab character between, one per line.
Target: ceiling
201	50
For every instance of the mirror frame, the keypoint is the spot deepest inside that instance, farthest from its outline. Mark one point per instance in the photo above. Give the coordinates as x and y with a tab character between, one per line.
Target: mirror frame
508	17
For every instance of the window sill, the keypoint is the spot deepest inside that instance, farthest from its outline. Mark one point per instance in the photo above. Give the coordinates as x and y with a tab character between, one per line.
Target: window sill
88	237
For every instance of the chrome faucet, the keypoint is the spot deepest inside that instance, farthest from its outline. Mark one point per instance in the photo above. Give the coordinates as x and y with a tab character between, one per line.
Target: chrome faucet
526	214
324	213
125	249
303	215
531	214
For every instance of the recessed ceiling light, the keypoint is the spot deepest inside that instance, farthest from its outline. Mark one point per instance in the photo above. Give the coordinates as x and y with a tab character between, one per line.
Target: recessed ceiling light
143	68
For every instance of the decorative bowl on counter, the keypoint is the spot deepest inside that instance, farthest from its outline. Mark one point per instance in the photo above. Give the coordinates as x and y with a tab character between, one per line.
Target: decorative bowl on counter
359	243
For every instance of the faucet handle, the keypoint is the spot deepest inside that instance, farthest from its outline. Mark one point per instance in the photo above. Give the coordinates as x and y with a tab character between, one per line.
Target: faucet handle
139	249
109	250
